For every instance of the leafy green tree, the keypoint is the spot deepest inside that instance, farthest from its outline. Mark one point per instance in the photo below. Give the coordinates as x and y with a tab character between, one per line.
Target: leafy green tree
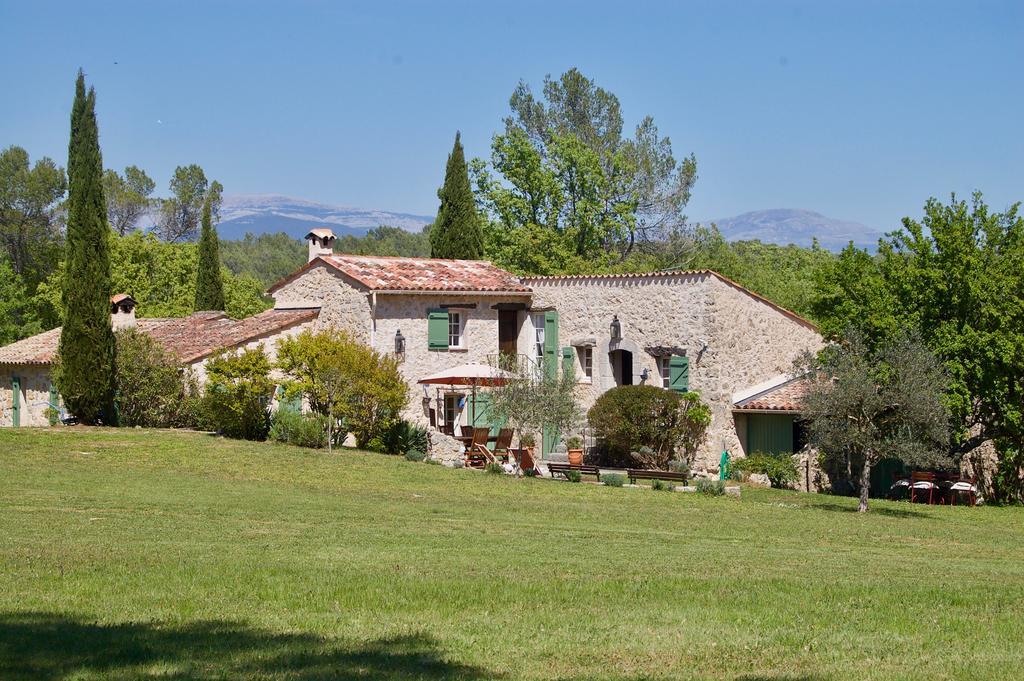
30	235
266	257
566	171
179	215
456	233
86	367
385	240
345	381
128	198
864	404
209	286
16	318
236	401
852	292
152	391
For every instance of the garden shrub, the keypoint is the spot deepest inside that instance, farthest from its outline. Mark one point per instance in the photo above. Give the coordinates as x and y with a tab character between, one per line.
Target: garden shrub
662	485
152	389
494	468
678	466
302	430
779	468
238	392
712	488
614	479
573	476
416	455
346	380
530	472
630	417
401	438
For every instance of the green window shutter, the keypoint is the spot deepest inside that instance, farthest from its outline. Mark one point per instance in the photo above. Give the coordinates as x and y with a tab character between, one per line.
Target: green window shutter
15	401
679	373
437	329
568	361
551	342
54	401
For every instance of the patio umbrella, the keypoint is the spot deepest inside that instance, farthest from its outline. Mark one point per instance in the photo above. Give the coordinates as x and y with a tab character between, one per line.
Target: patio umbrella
472	375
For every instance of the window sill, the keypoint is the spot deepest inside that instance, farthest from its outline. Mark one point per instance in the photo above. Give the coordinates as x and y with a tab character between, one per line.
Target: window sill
449	349
587	380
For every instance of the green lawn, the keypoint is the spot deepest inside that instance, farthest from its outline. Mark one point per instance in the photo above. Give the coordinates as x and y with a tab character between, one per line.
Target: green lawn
127	554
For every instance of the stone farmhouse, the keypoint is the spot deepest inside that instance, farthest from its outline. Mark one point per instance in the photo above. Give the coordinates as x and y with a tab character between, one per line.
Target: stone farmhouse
680	330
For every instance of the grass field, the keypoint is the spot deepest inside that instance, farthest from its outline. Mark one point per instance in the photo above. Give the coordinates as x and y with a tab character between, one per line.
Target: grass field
127	554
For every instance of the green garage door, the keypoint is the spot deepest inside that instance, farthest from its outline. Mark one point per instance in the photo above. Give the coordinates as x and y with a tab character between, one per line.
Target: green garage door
770	433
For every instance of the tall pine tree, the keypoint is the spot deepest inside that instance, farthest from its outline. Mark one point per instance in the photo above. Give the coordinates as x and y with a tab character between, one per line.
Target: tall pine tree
456	232
85	375
209	287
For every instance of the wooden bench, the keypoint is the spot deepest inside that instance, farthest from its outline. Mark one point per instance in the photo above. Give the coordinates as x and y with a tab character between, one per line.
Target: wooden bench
635	474
563	468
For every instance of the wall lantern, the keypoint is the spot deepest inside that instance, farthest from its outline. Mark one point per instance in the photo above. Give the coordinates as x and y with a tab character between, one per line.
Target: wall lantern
399	343
645	374
615	328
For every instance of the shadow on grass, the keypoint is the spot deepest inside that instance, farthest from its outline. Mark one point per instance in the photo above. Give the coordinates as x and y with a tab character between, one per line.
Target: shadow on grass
52	646
872	510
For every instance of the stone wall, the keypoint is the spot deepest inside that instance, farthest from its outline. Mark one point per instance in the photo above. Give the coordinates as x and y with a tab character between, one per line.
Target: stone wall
733	339
35	394
343	304
408	313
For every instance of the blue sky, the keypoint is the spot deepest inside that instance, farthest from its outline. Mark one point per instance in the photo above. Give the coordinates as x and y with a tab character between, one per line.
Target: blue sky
859	110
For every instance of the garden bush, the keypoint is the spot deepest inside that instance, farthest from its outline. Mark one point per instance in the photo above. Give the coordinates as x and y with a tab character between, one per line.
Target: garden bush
662	485
152	390
573	476
712	488
494	468
401	438
614	480
238	392
416	455
669	424
779	468
295	428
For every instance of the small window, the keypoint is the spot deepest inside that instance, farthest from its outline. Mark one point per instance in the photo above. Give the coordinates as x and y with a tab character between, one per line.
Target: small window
587	360
454	329
664	368
538	333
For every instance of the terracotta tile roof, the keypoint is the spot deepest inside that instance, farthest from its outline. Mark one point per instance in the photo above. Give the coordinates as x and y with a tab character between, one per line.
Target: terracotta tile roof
188	338
670	274
785	397
382	273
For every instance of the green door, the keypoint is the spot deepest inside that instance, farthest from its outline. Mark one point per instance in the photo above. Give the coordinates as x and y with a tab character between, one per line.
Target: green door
15	401
770	433
483	418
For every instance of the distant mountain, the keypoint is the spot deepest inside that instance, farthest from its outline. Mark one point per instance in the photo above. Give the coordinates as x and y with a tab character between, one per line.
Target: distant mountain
785	226
261	213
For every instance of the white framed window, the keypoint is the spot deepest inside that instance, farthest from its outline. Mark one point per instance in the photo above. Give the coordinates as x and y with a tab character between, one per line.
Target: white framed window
452	410
455	335
587	361
538	336
664	364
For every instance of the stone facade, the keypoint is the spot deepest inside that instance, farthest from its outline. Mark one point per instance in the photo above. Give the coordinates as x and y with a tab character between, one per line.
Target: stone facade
34	397
733	338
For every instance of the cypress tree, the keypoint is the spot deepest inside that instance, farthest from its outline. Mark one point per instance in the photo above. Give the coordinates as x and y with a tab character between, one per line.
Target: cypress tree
209	287
85	375
456	232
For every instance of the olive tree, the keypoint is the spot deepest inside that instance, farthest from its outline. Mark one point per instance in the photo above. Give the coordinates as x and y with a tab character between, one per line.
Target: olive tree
865	404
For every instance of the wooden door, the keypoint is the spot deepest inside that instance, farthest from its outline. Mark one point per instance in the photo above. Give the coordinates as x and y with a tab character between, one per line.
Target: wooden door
508	334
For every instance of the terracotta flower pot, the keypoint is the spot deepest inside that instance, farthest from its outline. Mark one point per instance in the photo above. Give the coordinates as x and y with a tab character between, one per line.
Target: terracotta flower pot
575	457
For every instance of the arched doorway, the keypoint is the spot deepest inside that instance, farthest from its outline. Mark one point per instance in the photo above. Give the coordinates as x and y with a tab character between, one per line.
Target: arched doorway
622	366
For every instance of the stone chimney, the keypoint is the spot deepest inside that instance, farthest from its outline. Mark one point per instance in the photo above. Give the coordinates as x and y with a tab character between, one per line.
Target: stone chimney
122	311
321	242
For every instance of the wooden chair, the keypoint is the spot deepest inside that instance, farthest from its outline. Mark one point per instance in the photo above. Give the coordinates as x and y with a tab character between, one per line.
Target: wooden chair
448	429
964	486
502	444
921	481
467	431
477	454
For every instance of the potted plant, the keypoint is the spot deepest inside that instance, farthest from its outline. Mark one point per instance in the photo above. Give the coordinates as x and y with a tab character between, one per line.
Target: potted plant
527	442
575	445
